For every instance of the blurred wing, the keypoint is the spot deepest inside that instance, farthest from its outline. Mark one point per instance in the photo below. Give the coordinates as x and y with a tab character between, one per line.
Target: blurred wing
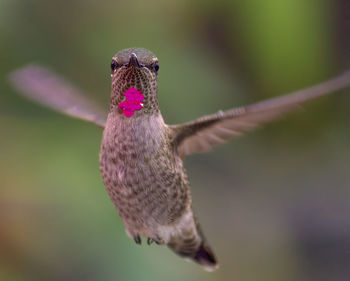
202	134
47	88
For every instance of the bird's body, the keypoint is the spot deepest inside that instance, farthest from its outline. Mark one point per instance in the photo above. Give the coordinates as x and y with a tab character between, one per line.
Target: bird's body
141	158
142	171
143	176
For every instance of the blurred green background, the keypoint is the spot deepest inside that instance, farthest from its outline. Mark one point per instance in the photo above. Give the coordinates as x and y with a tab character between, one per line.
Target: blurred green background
274	204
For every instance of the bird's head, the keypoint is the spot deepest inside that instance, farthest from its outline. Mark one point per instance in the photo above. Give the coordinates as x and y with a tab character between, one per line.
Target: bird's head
135	69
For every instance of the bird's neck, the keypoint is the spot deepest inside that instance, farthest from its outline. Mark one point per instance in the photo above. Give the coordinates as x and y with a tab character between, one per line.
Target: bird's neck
149	93
138	130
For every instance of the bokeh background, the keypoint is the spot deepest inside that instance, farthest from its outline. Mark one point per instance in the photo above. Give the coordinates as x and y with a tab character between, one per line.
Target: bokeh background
275	204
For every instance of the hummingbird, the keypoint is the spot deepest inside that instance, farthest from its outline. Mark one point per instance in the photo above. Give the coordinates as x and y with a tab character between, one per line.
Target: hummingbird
141	157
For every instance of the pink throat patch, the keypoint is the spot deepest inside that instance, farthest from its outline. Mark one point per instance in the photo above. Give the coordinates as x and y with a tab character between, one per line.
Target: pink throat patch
133	102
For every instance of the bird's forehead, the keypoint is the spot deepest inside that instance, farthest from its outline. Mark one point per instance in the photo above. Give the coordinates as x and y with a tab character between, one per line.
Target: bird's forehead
144	56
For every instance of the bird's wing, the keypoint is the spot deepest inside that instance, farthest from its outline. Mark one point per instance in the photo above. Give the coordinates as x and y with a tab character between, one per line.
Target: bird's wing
49	89
204	133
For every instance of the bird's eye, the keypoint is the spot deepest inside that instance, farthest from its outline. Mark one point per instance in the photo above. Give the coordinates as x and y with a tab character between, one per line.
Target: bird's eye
114	65
156	66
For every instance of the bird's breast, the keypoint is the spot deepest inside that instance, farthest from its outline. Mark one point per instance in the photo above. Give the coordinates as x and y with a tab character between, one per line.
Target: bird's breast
132	148
140	171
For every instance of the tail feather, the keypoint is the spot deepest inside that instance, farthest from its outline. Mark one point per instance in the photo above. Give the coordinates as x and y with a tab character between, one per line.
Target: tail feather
189	242
201	254
205	257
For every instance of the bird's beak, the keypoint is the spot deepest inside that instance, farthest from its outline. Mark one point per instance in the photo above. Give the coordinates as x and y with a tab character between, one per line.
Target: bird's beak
133	61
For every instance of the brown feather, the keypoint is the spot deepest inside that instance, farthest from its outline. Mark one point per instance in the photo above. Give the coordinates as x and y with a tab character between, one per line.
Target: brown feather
202	134
49	89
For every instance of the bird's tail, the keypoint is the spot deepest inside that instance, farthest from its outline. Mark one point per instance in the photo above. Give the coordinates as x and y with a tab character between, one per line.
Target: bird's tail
190	243
205	256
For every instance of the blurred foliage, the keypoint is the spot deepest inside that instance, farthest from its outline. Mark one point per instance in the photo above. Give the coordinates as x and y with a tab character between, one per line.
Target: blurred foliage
264	200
